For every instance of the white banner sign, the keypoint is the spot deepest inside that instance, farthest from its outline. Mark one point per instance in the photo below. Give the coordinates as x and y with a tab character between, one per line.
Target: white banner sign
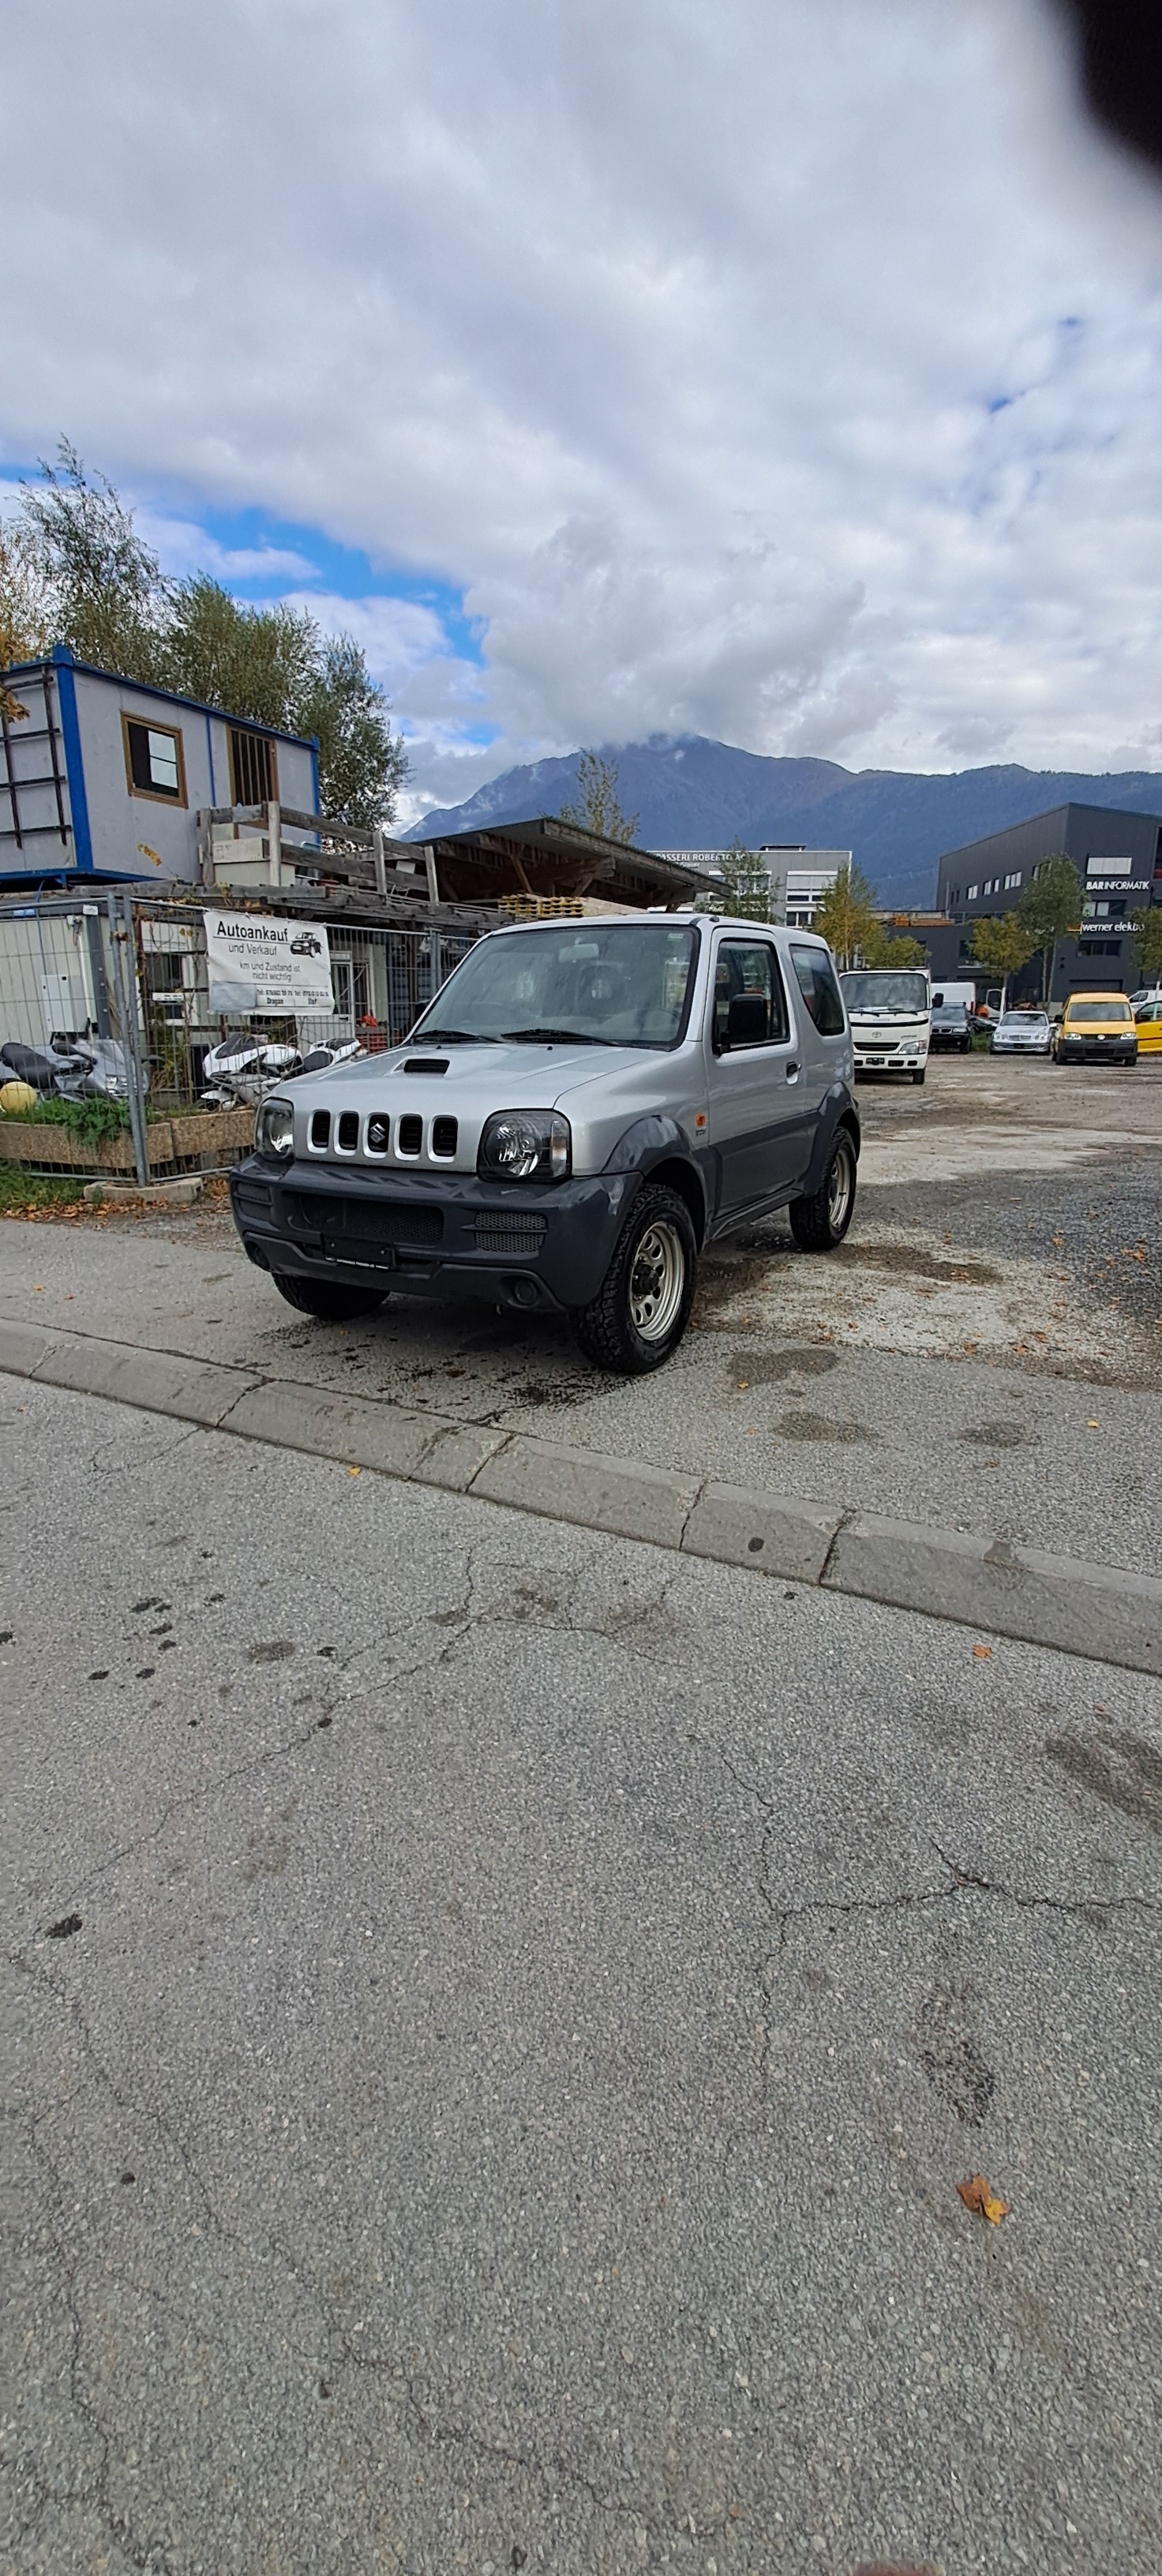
258	963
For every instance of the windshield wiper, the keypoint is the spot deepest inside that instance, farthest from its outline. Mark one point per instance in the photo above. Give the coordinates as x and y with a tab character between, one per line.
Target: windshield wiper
453	1037
557	1037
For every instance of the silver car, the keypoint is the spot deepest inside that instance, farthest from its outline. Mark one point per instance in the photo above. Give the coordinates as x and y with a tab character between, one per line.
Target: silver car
1022	1033
582	1107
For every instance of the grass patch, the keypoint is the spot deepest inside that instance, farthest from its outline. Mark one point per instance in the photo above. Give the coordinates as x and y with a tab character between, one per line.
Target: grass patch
21	1190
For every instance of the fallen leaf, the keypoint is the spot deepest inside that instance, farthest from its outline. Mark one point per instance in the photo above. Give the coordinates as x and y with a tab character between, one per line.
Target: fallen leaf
1091	1425
743	1384
893	2567
982	1651
978	2195
355	1471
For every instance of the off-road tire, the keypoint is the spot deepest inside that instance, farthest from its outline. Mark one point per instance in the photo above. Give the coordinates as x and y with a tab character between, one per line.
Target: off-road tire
327	1300
818	1223
606	1330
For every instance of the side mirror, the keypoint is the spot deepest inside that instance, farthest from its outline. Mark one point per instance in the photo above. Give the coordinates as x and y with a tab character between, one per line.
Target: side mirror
746	1020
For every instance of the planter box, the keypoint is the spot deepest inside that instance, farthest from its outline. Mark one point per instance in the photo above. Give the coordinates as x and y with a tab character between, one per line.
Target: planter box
218	1133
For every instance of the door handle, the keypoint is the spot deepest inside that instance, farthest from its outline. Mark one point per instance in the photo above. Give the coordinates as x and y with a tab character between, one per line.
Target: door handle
792	1073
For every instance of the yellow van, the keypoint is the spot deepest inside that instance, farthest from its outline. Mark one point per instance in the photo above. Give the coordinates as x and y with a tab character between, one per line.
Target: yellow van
1148	1021
1098	1026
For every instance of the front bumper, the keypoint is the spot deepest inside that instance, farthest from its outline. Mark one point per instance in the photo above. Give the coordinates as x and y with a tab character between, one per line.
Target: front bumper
441	1235
1096	1050
895	1060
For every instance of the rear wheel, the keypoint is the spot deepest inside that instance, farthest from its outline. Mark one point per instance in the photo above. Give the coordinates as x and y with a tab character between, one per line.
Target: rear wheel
641	1309
327	1300
821	1221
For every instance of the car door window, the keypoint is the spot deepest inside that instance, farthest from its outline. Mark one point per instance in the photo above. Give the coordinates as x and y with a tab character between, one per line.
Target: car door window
750	967
815	977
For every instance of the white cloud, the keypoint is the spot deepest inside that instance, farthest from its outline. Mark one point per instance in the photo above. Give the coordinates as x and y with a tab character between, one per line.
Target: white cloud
183	547
668	334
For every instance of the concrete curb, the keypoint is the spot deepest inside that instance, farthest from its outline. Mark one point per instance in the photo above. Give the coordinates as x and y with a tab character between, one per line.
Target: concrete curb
1099	1611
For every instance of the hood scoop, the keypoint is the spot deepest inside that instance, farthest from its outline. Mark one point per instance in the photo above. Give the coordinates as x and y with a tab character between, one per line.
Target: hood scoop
425	1064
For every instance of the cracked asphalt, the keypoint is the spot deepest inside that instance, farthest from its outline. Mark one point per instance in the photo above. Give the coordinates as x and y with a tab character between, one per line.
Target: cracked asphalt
497	2018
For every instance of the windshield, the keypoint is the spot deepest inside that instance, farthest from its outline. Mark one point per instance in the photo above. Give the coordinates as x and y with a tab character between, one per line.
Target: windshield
605	983
1025	1020
885	993
1089	1012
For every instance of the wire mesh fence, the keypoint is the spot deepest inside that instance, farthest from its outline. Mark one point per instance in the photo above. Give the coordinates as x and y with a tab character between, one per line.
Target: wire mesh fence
117	1058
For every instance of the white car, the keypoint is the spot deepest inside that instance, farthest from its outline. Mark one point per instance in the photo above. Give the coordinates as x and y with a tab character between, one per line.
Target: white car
1022	1033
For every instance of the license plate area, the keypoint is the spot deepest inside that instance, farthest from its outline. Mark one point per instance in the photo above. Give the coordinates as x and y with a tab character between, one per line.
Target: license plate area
358	1252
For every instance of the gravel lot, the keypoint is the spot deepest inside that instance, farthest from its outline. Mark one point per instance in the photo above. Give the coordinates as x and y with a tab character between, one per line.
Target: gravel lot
985	1350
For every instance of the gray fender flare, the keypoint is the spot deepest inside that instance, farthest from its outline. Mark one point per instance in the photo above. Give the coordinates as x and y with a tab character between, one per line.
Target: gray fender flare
838	1109
657	1139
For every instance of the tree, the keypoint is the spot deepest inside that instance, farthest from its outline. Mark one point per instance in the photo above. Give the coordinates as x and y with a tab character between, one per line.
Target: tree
1002	944
1147	930
881	949
74	568
845	915
104	587
597	808
362	763
1049	910
746	886
25	629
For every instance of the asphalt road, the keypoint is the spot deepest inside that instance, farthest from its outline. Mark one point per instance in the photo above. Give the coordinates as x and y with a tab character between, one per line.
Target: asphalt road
499	2017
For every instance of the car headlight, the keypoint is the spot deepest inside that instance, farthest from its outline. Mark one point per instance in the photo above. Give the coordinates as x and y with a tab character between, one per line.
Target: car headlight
275	1132
525	1145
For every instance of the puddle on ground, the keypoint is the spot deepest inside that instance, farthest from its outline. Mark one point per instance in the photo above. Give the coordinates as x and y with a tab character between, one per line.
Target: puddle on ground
763	1368
998	1435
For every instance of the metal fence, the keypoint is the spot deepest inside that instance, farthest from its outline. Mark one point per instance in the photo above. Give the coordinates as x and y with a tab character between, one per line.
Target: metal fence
112	1060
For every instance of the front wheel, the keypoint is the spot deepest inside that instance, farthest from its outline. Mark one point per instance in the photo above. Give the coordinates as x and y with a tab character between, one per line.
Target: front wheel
642	1307
918	1077
327	1300
821	1221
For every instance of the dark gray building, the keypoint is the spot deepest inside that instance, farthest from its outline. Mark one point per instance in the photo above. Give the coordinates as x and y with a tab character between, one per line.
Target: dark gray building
1118	857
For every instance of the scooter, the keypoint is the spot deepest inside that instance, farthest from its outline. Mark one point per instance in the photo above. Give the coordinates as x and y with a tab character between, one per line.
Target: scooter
68	1068
240	1071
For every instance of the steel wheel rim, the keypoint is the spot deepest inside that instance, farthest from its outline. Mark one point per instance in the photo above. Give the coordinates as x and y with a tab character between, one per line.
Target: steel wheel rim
839	1189
656	1281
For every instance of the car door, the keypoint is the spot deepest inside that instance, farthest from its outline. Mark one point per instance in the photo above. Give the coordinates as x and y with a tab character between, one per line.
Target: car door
823	1022
757	1118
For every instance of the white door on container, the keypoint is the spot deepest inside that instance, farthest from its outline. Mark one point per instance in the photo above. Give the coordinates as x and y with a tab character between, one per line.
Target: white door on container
58	1008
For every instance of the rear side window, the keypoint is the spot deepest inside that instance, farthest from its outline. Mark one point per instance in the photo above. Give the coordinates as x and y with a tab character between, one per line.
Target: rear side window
815	976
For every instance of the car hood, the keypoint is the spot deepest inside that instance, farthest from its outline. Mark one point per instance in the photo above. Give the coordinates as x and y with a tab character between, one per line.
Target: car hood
525	1076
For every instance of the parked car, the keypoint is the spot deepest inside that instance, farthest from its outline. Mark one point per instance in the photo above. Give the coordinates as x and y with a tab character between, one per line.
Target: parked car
953	1016
1096	1027
580	1109
1022	1033
1148	1023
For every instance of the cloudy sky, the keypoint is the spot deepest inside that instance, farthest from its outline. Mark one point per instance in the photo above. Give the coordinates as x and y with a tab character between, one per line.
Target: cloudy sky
784	370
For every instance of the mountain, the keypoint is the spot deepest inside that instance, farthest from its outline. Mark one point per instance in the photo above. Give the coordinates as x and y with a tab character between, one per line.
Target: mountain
692	794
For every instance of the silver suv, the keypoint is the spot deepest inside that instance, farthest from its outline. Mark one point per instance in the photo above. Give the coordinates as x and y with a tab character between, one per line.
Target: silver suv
582	1107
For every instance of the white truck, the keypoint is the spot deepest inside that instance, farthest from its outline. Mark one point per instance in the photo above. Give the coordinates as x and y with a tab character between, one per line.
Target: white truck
890	1010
